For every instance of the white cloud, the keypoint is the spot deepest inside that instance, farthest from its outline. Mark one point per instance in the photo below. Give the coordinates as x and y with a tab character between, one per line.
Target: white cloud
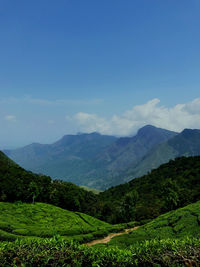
91	122
176	118
10	118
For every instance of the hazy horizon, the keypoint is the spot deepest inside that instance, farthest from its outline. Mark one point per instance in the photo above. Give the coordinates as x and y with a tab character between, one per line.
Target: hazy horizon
82	133
97	66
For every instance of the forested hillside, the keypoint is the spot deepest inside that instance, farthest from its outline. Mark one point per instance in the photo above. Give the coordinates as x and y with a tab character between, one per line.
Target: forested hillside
174	224
167	188
17	184
172	185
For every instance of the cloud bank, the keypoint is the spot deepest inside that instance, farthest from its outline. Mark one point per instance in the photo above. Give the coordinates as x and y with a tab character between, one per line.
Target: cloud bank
175	118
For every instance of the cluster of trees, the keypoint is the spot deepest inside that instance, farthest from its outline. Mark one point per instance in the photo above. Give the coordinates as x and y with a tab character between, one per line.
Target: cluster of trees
172	185
17	184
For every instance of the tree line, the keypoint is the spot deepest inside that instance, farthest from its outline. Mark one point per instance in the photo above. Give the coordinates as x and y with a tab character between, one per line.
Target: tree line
172	185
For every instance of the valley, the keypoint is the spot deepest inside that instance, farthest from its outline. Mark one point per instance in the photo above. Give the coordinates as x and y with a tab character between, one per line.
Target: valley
150	220
92	160
99	133
101	161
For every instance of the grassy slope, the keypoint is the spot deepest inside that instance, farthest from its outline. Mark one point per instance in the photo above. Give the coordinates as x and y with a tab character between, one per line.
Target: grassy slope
181	223
44	220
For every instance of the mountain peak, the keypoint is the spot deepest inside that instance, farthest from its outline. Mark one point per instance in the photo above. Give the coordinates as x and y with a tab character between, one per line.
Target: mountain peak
190	132
152	130
147	127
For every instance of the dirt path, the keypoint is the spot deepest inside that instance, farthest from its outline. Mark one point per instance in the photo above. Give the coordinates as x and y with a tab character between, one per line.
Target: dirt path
109	237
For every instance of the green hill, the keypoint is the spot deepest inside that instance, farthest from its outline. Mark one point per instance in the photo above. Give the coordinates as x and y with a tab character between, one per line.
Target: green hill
181	223
170	240
17	184
172	185
19	220
5	162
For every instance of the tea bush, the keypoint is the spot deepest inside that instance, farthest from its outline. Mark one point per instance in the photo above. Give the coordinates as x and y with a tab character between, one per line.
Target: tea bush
58	252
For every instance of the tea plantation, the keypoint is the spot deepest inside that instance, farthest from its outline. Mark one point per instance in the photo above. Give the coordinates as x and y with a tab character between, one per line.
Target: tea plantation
41	220
180	223
171	239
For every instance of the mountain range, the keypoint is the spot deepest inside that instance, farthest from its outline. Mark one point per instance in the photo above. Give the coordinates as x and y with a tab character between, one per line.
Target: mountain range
186	143
101	161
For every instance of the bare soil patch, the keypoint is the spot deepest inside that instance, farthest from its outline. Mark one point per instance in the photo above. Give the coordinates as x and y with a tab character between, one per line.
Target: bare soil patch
109	237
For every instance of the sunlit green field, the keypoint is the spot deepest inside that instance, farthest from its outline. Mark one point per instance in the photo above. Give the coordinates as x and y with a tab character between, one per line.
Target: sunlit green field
43	220
44	235
180	223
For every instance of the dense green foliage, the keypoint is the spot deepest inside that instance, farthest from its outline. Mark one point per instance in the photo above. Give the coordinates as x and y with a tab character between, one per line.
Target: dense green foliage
165	241
19	220
174	224
58	252
172	185
17	184
93	190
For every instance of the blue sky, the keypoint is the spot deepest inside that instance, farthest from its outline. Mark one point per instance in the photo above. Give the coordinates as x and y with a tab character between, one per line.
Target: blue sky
69	65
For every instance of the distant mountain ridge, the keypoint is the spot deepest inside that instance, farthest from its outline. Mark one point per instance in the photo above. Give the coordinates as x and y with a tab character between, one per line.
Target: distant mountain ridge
90	159
101	161
186	143
65	159
127	151
68	147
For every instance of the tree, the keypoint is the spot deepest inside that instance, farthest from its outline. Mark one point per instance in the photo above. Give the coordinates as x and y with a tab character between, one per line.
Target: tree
171	194
34	191
129	204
